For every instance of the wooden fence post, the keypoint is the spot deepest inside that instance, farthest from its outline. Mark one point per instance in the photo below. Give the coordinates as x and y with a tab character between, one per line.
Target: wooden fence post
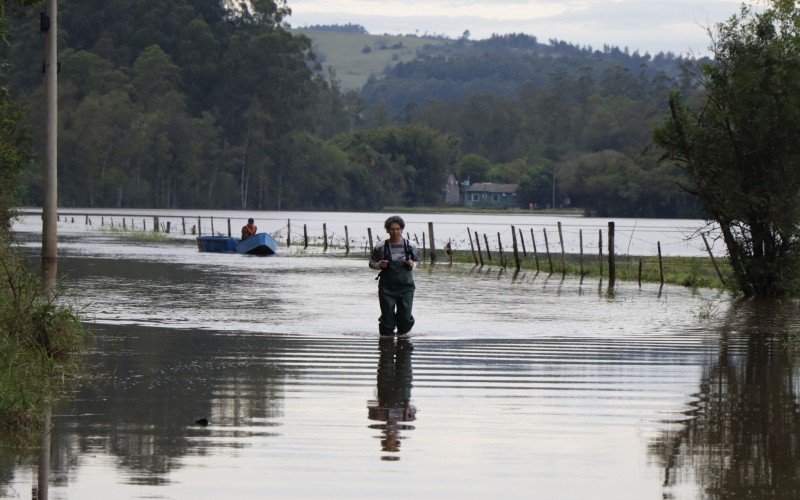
580	244
488	252
183	225
547	248
212	225
535	251
522	240
305	236
346	241
514	244
423	246
502	255
713	261
169	223
478	242
561	240
660	264
449	250
199	227
324	237
155	224
472	246
612	268
640	273
229	227
288	233
600	250
433	243
369	239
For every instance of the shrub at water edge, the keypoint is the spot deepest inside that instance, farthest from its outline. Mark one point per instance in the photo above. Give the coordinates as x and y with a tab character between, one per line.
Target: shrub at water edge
38	342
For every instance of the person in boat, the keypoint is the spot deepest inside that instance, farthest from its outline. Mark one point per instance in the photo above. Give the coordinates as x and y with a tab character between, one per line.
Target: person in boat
249	229
396	259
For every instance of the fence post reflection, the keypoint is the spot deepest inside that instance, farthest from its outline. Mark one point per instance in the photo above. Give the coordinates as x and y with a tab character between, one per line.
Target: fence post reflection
43	462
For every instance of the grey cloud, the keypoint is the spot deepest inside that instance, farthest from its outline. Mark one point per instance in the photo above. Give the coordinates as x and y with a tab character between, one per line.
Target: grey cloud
650	13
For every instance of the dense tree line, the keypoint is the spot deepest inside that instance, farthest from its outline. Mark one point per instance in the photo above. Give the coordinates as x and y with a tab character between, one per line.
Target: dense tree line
192	103
503	64
14	137
339	28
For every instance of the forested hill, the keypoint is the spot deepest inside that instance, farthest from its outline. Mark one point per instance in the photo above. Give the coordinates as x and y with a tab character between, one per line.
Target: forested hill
178	103
191	103
502	64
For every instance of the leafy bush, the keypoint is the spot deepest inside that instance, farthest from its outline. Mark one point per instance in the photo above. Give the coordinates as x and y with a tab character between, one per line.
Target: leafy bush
38	340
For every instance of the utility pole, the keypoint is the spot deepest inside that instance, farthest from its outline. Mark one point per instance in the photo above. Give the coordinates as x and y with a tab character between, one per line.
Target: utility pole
50	194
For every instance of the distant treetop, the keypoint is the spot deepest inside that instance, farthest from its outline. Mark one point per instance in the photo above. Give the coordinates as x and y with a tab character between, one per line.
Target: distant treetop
339	28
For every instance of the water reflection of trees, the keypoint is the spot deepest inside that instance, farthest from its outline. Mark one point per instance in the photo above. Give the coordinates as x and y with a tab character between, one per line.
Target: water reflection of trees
174	378
743	438
392	406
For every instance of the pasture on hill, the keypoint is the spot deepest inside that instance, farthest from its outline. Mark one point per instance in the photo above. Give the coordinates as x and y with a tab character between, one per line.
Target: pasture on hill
345	53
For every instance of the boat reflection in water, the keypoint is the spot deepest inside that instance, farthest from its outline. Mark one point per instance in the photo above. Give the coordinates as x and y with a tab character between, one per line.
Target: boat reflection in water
392	406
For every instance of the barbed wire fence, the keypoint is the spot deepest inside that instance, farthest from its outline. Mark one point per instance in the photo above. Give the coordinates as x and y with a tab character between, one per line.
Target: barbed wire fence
552	247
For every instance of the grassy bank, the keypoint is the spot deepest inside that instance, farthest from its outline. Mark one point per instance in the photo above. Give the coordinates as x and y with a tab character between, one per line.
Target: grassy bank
695	272
683	271
140	236
38	343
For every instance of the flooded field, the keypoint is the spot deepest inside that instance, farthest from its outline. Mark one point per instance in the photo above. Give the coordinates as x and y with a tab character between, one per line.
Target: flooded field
529	386
678	237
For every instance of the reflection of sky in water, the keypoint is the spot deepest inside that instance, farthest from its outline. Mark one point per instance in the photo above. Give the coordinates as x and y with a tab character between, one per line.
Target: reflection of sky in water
529	385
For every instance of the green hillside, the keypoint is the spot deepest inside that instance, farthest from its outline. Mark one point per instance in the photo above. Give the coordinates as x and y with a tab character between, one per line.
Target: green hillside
344	52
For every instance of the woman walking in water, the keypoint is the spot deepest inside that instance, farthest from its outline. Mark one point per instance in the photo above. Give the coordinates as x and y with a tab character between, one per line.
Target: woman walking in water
396	259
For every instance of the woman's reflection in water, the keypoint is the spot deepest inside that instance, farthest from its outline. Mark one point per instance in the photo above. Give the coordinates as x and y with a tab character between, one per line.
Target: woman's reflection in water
394	393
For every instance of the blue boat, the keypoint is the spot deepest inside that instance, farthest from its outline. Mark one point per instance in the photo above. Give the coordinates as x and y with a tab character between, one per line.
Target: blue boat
217	244
258	244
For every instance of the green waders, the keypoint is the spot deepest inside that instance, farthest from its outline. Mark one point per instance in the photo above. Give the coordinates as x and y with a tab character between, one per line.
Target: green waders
396	296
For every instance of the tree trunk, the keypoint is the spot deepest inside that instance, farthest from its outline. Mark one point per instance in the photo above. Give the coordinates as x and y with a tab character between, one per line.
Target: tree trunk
243	180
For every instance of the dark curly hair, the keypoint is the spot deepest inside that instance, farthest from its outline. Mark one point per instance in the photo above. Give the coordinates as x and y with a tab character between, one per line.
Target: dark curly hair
394	219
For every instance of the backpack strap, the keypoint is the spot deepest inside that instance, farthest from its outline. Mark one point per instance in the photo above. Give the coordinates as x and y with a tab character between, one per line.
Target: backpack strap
407	248
387	255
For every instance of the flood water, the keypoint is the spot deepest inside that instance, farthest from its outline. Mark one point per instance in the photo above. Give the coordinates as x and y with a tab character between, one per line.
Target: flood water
526	386
677	237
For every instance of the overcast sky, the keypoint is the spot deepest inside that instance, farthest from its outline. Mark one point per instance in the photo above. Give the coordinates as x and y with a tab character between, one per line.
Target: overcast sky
645	25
